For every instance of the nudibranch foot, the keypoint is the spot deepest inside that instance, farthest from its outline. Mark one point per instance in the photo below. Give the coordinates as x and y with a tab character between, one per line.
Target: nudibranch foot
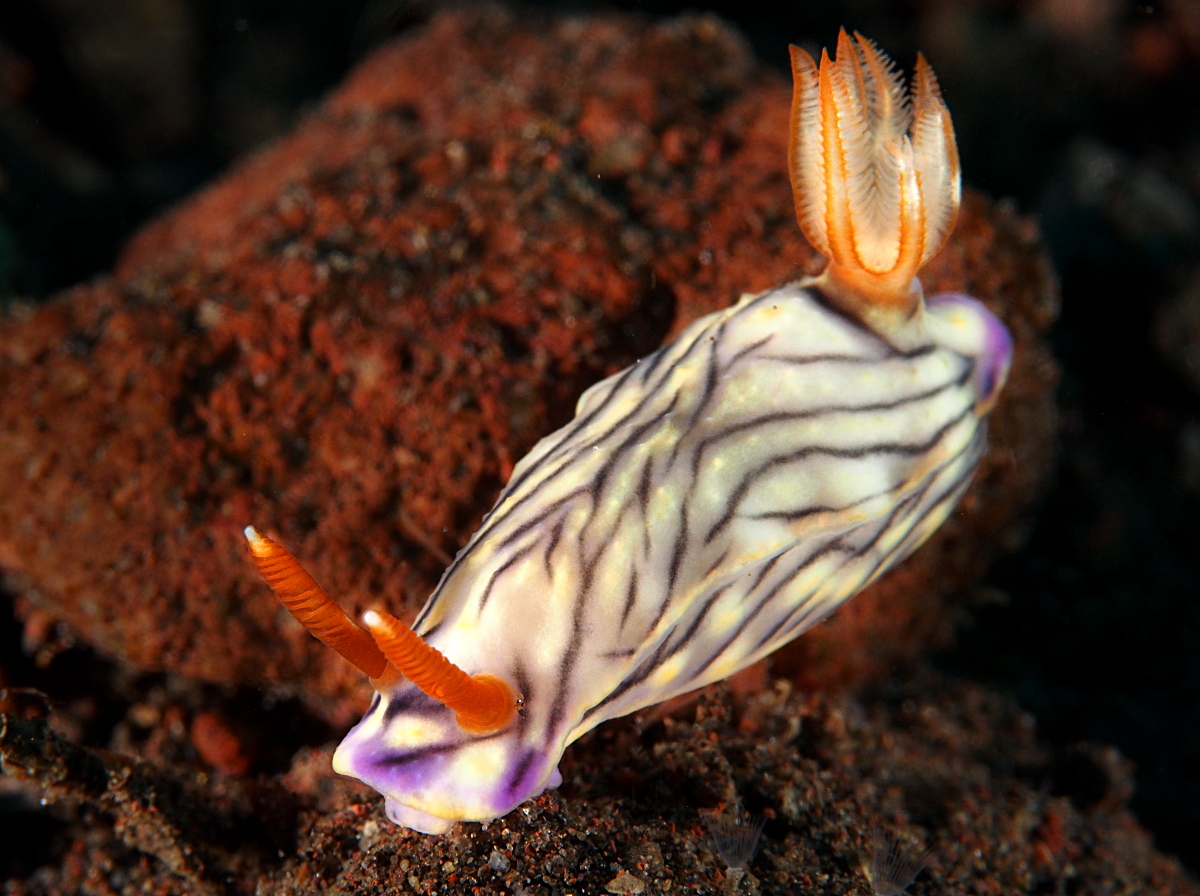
415	819
425	823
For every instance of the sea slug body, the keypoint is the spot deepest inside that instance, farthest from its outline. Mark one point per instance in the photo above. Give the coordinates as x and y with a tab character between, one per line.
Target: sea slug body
709	503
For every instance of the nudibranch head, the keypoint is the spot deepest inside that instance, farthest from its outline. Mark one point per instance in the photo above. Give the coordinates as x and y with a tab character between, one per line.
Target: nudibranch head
709	503
874	173
433	769
457	738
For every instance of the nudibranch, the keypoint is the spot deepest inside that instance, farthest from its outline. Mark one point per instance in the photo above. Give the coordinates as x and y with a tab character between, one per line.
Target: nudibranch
709	503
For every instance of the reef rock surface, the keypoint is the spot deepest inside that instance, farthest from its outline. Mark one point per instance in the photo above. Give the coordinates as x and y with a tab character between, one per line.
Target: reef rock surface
350	339
922	764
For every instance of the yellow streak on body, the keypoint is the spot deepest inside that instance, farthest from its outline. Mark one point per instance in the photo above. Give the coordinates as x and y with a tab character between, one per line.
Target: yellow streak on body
727	618
485	762
407	730
668	672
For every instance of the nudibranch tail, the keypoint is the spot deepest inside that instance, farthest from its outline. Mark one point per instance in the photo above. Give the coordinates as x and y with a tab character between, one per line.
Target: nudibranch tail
483	704
875	176
313	608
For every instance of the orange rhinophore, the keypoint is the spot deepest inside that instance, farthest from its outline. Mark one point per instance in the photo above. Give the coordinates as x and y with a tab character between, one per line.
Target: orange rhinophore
483	704
316	611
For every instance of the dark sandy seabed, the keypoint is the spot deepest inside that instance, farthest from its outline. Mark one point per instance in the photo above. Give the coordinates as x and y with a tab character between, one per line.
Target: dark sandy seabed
351	336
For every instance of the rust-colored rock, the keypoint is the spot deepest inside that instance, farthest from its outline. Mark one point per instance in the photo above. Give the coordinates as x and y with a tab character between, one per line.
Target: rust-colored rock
351	338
